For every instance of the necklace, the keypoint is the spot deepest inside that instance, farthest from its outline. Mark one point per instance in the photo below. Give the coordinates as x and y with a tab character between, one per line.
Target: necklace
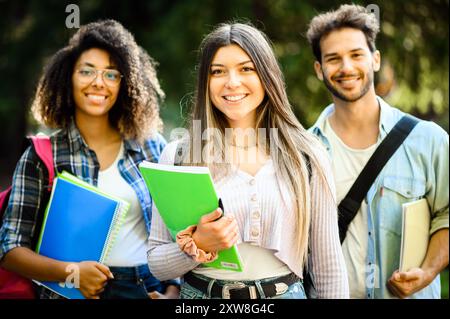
245	147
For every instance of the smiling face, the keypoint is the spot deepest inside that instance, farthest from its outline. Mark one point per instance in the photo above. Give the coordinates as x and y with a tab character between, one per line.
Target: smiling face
348	65
94	98
235	87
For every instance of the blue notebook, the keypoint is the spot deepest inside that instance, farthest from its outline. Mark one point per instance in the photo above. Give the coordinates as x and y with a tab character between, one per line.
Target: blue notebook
80	224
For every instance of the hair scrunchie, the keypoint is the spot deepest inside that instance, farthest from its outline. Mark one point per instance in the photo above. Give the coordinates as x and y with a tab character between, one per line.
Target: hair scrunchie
187	244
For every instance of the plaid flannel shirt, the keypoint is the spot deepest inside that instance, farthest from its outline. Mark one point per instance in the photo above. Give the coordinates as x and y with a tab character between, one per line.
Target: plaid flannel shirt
71	153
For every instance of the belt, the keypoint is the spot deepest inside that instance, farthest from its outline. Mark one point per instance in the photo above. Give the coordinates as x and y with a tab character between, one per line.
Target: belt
240	290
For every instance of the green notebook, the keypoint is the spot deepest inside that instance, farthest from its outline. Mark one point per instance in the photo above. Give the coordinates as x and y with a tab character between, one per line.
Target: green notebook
183	194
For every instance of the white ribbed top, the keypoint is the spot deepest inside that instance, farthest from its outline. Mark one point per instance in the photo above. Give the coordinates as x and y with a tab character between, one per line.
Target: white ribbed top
263	210
249	197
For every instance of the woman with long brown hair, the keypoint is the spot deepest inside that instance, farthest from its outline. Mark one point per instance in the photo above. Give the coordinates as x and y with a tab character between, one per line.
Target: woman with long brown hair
272	175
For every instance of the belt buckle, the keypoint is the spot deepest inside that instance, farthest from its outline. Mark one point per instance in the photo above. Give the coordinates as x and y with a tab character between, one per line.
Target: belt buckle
227	287
281	288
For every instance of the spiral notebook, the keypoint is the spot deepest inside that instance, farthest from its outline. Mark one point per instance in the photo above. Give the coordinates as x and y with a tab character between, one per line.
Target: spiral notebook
183	194
80	224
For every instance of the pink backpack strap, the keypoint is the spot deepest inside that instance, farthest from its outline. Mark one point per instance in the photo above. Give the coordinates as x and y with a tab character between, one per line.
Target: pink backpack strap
43	147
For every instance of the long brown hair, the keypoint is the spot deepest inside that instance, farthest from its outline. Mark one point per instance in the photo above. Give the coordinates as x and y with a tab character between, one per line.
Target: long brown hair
290	146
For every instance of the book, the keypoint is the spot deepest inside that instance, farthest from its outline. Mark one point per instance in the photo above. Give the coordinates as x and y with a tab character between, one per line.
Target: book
415	234
80	224
182	195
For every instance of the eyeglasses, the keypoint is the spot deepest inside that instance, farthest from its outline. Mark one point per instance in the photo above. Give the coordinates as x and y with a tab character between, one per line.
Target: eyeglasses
86	75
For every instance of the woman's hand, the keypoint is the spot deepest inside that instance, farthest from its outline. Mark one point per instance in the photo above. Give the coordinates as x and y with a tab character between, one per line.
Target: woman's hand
93	278
213	234
172	292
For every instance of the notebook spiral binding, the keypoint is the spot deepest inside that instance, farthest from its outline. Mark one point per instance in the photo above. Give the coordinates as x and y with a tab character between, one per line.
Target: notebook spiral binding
118	219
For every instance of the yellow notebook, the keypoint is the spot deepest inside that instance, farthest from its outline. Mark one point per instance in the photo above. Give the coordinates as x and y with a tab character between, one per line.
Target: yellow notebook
415	234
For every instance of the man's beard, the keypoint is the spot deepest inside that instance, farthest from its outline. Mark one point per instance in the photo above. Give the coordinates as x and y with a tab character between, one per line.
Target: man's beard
341	95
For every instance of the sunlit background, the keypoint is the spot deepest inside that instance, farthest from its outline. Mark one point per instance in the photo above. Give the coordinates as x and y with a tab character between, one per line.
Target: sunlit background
414	42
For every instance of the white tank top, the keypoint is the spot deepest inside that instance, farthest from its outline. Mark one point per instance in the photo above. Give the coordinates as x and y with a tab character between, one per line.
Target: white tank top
130	246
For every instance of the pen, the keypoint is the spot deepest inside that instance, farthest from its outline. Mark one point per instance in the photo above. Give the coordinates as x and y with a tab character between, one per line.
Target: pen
221	207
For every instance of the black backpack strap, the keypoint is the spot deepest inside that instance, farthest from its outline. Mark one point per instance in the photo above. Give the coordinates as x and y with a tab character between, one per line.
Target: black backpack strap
349	206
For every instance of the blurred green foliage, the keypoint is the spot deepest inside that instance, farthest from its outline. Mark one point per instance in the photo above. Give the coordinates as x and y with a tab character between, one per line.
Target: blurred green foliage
444	284
413	42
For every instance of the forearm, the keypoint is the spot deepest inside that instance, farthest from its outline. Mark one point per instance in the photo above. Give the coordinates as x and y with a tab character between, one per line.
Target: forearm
437	254
328	262
167	261
27	263
164	256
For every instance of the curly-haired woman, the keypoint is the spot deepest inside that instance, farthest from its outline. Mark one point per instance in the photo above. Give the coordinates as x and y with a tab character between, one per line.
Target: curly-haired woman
102	93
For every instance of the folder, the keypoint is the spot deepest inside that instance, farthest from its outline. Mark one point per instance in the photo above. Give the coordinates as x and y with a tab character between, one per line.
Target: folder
183	194
80	224
415	234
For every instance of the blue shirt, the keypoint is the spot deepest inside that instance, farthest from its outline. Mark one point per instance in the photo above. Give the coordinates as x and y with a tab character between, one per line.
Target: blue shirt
419	168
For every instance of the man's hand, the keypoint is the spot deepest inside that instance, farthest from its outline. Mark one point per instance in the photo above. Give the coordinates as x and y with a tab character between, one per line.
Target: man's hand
404	284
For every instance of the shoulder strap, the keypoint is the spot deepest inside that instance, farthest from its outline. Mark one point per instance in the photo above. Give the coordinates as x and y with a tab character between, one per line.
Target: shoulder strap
351	203
43	147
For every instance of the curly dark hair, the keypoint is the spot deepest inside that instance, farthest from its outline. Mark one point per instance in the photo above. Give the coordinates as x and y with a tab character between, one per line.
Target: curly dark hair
352	16
136	111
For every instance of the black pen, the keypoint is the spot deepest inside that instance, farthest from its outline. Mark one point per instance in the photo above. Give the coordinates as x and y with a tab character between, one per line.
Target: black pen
221	207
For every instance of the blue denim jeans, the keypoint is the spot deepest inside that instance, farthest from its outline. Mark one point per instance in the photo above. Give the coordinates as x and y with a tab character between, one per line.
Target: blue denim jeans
131	283
295	290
